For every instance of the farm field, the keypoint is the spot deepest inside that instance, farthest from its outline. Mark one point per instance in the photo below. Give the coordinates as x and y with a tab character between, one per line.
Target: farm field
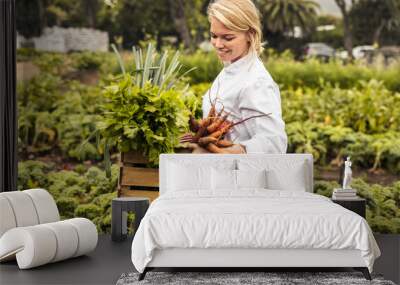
331	110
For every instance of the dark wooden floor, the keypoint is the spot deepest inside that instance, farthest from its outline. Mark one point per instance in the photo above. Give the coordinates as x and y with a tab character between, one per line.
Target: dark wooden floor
103	266
110	259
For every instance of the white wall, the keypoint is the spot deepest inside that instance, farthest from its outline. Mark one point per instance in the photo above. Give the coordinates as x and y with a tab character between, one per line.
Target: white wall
59	39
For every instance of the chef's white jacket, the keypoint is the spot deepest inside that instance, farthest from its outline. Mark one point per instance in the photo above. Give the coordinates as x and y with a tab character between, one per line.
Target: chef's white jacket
246	88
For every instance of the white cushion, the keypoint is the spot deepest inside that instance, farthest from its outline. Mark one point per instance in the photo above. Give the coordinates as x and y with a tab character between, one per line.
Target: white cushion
281	174
223	179
286	163
279	180
231	180
193	172
251	178
184	177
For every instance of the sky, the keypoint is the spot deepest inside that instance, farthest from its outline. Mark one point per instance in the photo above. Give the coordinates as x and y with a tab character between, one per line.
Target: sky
330	7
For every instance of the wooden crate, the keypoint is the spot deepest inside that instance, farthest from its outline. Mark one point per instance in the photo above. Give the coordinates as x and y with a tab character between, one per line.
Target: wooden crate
135	179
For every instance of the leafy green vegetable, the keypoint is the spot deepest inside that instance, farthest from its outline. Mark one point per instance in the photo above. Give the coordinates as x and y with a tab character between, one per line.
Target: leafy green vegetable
145	111
143	119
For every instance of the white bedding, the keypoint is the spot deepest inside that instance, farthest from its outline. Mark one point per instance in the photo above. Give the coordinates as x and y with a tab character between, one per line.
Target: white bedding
251	218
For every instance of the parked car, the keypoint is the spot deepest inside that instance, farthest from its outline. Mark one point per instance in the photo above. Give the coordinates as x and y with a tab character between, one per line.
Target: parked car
363	51
318	50
389	54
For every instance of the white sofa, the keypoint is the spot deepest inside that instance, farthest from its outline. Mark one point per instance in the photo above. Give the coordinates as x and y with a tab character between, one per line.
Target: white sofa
31	231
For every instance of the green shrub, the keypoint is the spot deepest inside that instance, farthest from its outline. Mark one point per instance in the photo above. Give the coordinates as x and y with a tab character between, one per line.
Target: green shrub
366	126
27	54
43	110
80	168
88	60
86	193
383	203
104	200
66	207
32	174
314	74
103	222
289	73
368	108
59	181
98	182
75	191
325	188
284	69
329	143
207	66
54	63
63	64
36	100
88	211
81	105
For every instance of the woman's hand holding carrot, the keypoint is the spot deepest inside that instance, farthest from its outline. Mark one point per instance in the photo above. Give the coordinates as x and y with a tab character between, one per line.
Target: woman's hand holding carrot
196	148
208	134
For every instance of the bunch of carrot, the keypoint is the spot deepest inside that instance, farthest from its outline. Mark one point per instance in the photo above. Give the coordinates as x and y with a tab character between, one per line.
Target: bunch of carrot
209	132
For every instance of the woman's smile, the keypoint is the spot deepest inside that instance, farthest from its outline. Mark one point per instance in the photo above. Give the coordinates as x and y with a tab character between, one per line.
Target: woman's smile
223	52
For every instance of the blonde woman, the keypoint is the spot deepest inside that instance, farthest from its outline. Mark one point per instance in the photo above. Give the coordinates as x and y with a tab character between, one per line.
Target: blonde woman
244	86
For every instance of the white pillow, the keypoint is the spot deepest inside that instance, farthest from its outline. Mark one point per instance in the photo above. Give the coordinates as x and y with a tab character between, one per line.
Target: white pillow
292	181
251	178
223	179
282	174
182	177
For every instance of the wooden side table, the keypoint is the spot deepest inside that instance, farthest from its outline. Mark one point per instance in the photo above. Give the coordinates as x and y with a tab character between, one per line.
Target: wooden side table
119	212
357	205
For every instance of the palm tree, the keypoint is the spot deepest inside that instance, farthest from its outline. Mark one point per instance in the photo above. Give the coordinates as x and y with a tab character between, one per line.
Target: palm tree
347	29
283	15
390	22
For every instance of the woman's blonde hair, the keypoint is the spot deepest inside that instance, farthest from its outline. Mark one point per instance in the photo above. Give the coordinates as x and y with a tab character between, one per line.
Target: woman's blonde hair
239	16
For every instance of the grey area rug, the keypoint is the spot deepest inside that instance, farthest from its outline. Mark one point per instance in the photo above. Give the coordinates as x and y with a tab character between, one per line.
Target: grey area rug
269	278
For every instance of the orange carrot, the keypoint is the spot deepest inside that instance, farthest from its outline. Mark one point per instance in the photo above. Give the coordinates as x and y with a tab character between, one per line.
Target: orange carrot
206	140
221	131
202	130
217	123
214	149
224	143
226	126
